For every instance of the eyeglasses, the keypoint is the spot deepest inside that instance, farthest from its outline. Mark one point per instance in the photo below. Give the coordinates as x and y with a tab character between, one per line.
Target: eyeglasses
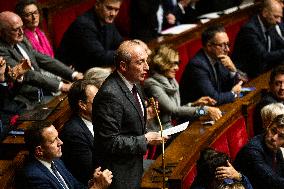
31	14
222	45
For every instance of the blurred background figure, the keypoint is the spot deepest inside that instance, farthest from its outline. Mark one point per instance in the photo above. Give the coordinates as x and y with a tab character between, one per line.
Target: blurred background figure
98	74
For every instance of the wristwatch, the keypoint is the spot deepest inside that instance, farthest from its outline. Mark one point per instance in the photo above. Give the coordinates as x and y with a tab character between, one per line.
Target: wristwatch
200	111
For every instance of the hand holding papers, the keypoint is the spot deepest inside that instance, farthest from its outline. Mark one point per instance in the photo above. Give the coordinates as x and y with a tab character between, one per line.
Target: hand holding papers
175	129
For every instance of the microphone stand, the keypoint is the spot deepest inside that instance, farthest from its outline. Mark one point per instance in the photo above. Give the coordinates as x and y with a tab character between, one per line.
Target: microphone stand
153	102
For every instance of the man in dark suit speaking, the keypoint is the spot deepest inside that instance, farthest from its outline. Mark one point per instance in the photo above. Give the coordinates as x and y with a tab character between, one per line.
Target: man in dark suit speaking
211	71
15	49
119	118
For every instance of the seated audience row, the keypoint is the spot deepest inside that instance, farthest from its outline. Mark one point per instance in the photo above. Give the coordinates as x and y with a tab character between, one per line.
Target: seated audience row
163	86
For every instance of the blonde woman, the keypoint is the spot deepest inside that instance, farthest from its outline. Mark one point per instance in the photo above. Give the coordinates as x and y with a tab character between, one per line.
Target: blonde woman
163	86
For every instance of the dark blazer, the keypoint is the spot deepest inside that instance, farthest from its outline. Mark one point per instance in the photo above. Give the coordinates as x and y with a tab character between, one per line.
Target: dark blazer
119	131
255	161
37	176
88	44
78	149
198	80
250	51
144	23
33	79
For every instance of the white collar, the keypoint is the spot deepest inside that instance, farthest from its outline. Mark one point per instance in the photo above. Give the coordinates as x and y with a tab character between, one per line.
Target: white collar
89	125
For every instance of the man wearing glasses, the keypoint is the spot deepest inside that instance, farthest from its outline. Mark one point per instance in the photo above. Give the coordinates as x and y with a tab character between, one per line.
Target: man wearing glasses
258	46
211	71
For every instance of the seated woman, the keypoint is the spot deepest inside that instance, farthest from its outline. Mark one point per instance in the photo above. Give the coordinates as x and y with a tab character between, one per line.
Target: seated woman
214	171
163	86
29	11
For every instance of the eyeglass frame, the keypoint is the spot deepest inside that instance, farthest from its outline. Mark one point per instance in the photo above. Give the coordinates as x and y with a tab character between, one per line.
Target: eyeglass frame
222	45
30	14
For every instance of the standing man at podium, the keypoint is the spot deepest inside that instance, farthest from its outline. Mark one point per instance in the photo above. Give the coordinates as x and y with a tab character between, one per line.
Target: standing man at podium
119	118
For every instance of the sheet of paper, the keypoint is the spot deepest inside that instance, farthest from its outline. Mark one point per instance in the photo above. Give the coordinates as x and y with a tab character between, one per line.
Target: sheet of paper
204	20
178	29
230	10
244	5
175	129
210	15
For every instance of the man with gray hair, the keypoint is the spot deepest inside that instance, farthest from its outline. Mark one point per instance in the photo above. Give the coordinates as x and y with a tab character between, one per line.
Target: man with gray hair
119	118
26	62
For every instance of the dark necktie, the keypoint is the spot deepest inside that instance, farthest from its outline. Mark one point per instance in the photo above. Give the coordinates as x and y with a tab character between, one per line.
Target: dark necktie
135	94
216	73
58	176
268	41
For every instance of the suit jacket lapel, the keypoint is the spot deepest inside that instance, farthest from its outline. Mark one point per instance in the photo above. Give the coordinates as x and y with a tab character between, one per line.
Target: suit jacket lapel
48	173
86	130
130	97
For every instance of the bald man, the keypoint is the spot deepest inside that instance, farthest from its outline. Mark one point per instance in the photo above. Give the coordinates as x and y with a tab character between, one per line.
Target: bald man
119	118
258	47
19	54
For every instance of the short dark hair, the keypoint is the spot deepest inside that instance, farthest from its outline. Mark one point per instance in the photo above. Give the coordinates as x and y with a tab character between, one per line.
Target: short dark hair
209	33
20	6
279	70
207	163
77	92
33	135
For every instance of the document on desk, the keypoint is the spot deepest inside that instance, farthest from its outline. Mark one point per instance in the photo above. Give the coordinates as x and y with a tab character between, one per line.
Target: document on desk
175	129
245	5
178	29
210	15
230	10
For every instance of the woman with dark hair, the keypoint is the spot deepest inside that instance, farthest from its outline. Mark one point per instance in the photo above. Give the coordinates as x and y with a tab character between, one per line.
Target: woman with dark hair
29	11
214	171
163	86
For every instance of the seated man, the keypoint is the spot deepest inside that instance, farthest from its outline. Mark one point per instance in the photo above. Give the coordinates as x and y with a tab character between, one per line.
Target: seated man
258	47
261	159
78	134
44	168
211	71
19	54
275	94
92	38
9	107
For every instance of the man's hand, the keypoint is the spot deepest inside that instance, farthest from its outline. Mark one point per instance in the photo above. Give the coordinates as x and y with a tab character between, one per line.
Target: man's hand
227	172
101	179
154	138
214	113
65	87
78	76
2	69
237	88
20	69
171	19
227	62
205	100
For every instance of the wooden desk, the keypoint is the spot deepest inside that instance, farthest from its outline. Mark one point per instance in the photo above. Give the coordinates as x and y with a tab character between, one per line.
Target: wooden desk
11	145
184	150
